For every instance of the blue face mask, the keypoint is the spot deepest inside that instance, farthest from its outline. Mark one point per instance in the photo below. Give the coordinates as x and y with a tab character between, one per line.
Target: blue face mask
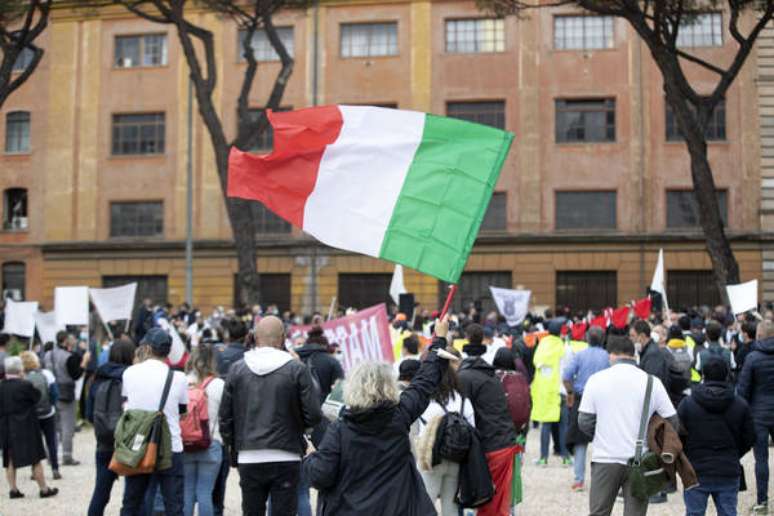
85	336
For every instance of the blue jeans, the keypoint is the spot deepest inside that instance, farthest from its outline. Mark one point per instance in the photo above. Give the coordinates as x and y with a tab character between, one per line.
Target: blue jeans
48	427
580	462
172	487
761	453
201	471
545	440
103	484
724	495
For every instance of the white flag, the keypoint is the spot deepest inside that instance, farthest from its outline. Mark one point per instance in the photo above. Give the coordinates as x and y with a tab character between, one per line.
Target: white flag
659	283
512	304
114	304
45	323
178	347
396	285
71	305
20	318
743	297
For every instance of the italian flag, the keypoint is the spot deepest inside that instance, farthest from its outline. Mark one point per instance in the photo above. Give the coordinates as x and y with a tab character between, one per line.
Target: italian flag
402	186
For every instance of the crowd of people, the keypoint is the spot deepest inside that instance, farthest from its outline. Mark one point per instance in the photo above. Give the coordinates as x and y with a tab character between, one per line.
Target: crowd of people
441	430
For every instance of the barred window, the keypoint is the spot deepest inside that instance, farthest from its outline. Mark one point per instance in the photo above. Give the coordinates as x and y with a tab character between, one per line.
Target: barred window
496	217
716	127
364	290
687	289
15	209
138	134
586	290
14	280
473	290
585	210
369	39
583	32
262	48
490	113
140	50
585	120
701	30
17	132
135	219
23	60
470	36
683	210
273	289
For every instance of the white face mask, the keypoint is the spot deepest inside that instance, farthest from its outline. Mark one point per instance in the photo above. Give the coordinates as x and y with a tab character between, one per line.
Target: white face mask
655	337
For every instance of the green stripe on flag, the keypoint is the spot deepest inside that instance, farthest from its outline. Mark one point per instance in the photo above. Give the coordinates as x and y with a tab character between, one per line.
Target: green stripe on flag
445	196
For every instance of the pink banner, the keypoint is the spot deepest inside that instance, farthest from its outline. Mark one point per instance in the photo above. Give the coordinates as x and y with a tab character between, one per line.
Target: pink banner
362	336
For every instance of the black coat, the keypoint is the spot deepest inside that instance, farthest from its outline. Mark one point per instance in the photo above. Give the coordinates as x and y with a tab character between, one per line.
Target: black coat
325	366
718	430
20	437
364	465
229	355
756	382
493	421
655	360
107	372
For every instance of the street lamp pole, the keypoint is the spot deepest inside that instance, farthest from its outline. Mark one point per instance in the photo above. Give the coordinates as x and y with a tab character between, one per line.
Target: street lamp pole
189	202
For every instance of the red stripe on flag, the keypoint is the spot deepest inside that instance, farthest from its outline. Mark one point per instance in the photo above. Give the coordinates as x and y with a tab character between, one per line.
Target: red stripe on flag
284	179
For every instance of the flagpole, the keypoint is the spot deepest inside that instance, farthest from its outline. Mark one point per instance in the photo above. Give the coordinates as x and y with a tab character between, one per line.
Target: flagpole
447	304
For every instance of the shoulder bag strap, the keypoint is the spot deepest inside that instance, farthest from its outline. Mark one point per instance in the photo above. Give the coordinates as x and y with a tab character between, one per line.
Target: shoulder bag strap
643	422
165	394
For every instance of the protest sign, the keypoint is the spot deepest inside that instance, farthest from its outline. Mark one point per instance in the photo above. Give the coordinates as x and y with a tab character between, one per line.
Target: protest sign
20	318
71	305
177	351
364	335
45	323
115	303
512	304
743	297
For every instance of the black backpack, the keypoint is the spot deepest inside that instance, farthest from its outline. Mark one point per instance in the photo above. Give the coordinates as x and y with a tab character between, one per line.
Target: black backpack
107	408
455	436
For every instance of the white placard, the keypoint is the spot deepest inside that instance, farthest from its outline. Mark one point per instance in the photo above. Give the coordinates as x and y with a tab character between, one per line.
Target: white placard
114	304
45	323
71	305
20	318
512	304
743	297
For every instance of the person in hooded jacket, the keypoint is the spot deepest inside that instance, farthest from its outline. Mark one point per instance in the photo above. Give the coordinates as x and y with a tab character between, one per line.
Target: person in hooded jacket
718	431
364	464
479	384
756	386
314	353
269	400
121	356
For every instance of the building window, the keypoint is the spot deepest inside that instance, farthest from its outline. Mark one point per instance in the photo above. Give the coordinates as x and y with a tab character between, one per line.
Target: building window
262	48
265	142
583	32
369	39
23	60
683	211
273	289
17	132
15	209
586	290
496	217
142	50
364	290
13	280
138	134
474	36
136	219
585	120
701	30
490	113
148	287
473	290
267	222
585	210
716	126
688	289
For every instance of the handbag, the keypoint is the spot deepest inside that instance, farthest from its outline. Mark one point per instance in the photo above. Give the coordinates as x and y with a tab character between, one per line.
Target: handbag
150	446
646	471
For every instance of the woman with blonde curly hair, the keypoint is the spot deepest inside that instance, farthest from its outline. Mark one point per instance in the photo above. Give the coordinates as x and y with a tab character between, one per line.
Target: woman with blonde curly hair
364	464
44	381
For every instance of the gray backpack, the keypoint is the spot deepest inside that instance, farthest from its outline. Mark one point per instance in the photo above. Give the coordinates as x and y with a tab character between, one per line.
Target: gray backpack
38	380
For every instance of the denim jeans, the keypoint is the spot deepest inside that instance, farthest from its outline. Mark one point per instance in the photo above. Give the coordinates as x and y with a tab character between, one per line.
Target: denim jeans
761	452
102	485
724	495
48	428
278	479
579	462
545	440
201	470
172	486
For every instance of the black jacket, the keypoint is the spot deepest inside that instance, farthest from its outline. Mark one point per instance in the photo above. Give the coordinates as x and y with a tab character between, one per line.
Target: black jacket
105	373
756	382
229	355
364	465
493	421
325	366
718	430
655	360
268	409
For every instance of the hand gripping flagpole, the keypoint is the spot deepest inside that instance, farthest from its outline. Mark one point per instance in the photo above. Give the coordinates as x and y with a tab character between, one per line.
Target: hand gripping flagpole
447	304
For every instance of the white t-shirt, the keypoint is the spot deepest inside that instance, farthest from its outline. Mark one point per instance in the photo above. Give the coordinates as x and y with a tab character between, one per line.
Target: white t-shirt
142	387
214	392
491	350
616	395
435	409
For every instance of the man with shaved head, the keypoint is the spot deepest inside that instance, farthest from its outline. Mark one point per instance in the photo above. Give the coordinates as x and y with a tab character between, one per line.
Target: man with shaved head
268	401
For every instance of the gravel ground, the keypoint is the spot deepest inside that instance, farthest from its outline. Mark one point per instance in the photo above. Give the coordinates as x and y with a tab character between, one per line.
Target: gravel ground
546	490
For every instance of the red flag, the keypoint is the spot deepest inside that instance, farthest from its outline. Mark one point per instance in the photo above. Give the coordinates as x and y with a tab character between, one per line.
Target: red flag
564	330
642	308
599	322
620	317
579	331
